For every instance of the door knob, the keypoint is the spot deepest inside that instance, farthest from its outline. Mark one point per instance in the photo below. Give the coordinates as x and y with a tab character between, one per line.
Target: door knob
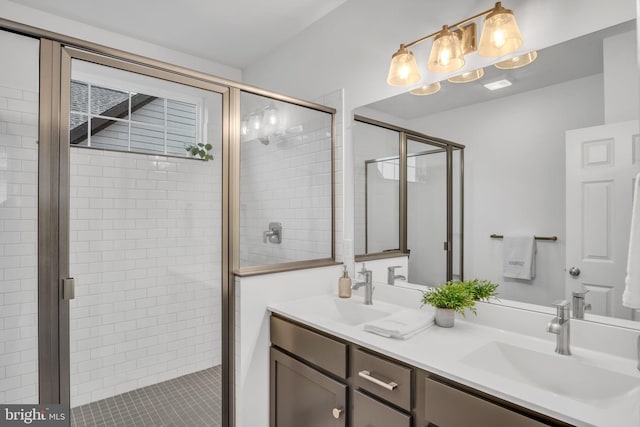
336	412
574	271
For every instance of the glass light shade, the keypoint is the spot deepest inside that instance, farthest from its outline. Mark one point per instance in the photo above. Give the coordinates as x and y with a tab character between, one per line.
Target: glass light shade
468	76
517	61
429	89
446	53
403	70
500	33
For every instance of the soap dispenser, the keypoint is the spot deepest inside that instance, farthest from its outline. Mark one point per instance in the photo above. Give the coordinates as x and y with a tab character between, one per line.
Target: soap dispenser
344	284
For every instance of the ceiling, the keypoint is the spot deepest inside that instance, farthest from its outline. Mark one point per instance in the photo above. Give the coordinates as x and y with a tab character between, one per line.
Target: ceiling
571	60
232	32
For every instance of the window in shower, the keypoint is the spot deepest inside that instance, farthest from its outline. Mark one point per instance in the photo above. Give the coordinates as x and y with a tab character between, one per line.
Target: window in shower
110	114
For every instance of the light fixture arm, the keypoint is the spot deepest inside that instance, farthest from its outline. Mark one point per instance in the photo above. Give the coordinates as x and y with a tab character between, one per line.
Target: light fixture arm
456	25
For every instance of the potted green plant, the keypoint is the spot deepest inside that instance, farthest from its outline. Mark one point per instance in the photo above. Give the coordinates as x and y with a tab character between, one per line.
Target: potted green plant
457	296
200	150
449	299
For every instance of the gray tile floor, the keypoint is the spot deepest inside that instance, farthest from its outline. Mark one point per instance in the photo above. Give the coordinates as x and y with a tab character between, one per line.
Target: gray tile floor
190	400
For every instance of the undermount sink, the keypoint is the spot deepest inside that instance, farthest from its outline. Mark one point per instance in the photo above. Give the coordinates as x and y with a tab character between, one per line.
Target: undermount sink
349	311
563	375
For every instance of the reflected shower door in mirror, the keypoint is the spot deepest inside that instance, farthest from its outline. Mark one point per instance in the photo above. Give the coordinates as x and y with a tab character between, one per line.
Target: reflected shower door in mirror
518	179
377	189
286	183
427	212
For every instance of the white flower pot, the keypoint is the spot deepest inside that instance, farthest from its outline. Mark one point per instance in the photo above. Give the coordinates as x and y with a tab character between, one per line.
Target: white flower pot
445	317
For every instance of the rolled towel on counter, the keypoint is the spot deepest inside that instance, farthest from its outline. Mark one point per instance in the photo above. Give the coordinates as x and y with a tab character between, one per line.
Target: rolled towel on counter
631	295
402	325
519	257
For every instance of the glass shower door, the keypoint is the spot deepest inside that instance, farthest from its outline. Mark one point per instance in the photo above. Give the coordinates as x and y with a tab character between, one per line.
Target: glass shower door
427	212
145	249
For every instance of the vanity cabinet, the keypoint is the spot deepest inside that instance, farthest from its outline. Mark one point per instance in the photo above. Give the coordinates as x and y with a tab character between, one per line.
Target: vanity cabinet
318	380
442	405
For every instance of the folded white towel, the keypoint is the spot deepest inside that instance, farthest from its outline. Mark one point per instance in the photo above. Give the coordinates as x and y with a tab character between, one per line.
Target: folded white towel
519	257
401	325
631	295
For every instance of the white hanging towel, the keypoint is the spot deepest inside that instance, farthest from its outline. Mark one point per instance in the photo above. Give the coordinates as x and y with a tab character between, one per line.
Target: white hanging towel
631	295
519	257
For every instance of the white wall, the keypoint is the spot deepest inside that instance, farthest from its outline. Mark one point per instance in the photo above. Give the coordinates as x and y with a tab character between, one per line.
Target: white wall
520	137
18	220
621	78
146	256
16	12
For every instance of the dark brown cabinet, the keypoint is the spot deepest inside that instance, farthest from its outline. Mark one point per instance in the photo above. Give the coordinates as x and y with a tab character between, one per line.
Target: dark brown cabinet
302	396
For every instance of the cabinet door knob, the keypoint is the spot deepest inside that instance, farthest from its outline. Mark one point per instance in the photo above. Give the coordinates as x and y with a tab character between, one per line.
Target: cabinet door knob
336	412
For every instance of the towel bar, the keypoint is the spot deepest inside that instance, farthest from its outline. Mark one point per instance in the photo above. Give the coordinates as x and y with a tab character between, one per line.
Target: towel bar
553	238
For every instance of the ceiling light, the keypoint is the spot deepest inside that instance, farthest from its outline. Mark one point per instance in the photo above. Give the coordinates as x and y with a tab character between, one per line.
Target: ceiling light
500	36
517	61
446	54
498	84
403	70
468	76
429	89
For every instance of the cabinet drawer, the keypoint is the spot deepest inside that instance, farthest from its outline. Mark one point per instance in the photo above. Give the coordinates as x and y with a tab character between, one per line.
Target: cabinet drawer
383	378
368	412
319	350
445	406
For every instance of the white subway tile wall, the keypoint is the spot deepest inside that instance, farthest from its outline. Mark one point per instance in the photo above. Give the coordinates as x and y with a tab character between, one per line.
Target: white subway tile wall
18	245
146	256
287	181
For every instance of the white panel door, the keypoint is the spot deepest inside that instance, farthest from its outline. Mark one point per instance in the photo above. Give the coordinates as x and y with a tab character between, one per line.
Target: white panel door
601	164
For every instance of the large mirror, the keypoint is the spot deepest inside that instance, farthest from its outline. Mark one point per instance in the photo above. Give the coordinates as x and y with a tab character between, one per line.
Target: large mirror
553	156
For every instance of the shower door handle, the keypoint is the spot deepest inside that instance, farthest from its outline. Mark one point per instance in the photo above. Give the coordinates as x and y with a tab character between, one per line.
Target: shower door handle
68	288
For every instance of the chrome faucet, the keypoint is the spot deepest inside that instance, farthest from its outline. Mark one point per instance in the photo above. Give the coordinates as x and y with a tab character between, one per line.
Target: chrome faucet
392	276
560	326
579	307
367	283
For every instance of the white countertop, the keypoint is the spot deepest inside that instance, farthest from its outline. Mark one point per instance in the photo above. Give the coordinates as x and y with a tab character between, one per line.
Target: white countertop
442	352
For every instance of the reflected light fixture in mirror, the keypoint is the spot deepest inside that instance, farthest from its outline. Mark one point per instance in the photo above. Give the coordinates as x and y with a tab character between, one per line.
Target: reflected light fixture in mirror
500	36
429	89
446	54
517	61
469	76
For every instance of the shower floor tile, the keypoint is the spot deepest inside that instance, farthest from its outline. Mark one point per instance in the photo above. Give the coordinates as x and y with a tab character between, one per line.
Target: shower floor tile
191	400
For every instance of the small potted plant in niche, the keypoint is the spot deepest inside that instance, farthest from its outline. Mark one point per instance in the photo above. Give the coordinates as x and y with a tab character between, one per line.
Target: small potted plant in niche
449	299
200	150
457	296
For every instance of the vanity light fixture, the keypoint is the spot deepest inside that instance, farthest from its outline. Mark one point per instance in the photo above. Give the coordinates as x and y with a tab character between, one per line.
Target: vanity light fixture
429	89
500	36
498	84
468	76
517	61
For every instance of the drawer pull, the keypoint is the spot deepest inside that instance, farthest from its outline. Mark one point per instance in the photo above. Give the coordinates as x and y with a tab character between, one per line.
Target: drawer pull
336	412
367	376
